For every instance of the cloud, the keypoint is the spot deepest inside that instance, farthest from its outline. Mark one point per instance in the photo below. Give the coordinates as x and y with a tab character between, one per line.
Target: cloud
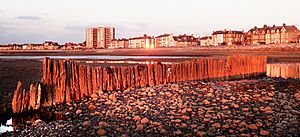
140	25
28	17
74	27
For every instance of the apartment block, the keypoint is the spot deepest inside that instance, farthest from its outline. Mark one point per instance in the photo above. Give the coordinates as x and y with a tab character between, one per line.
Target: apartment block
142	42
119	43
99	37
165	40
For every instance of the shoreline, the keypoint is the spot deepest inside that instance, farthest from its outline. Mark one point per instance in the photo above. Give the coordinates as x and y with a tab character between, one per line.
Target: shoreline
195	108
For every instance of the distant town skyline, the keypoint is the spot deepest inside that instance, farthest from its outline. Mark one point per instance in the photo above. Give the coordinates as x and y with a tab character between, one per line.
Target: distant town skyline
35	21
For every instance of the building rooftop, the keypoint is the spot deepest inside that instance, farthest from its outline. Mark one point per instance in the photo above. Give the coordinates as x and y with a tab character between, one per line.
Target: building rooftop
185	38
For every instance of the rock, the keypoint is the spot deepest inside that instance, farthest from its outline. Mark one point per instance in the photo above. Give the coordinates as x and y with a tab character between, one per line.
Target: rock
183	125
206	102
101	132
112	97
162	131
139	127
91	107
38	122
94	96
177	120
295	112
78	112
144	121
156	123
245	99
216	125
252	127
210	95
243	123
235	106
226	126
264	133
178	133
297	96
103	124
267	109
245	109
185	117
136	118
200	133
86	123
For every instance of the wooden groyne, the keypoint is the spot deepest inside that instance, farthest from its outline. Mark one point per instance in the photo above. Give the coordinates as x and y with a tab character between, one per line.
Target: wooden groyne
284	70
69	80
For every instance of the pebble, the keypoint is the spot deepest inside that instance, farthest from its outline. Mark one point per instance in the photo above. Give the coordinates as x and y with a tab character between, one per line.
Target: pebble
189	109
78	112
101	132
252	126
144	121
264	133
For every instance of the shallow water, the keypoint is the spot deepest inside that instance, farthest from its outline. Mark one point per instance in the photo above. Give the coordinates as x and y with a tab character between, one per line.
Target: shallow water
7	126
104	57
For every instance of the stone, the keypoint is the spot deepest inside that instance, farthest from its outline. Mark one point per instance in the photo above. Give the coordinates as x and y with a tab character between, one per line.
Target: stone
200	133
112	97
245	109
38	122
216	125
136	118
264	133
78	112
86	123
101	132
94	96
235	106
103	124
297	96
183	125
177	120
139	127
267	109
252	127
178	132
185	117
91	107
226	126
144	121
245	99
206	102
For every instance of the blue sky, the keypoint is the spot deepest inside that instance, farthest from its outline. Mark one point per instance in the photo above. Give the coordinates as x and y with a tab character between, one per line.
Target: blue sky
34	21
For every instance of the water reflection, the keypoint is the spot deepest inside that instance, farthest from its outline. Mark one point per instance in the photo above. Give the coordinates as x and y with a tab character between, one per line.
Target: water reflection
104	57
19	122
8	126
283	70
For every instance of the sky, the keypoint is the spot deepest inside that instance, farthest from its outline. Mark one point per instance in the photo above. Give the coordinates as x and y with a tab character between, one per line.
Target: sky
35	21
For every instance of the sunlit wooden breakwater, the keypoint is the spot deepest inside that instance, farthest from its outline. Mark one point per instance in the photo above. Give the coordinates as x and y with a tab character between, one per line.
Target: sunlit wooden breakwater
284	70
69	80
